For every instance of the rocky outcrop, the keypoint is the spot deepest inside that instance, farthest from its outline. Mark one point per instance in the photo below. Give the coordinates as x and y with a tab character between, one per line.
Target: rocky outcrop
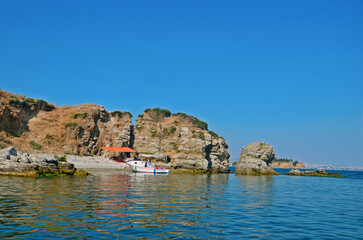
36	126
86	128
17	163
298	165
182	142
315	173
256	159
17	111
184	139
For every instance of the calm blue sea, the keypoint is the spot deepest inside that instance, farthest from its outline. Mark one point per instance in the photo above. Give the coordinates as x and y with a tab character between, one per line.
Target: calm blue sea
114	204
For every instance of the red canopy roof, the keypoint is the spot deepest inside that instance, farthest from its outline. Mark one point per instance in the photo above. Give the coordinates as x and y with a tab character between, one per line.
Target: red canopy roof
119	149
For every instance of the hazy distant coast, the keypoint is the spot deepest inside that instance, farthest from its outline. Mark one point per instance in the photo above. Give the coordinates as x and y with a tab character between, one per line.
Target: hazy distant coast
333	167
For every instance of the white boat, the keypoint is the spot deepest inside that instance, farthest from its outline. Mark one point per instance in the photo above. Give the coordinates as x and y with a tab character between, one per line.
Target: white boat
138	165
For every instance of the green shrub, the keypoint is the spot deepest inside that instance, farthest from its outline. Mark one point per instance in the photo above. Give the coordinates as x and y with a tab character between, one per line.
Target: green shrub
169	131
201	135
195	121
295	163
120	114
71	125
15	102
43	105
159	112
35	145
213	134
60	159
25	103
80	115
194	136
18	132
176	147
153	132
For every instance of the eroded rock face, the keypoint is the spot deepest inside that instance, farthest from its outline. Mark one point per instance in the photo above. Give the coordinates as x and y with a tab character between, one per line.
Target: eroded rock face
36	126
90	127
256	158
184	139
17	163
17	111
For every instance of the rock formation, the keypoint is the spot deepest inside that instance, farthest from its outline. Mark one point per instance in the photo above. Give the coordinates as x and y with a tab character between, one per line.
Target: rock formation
184	139
181	141
315	173
35	126
256	159
17	163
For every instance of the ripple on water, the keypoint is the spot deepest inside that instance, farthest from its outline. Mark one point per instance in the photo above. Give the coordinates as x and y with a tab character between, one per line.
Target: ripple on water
116	204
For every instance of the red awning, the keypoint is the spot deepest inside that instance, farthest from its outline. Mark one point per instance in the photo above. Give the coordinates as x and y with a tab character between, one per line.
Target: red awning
119	149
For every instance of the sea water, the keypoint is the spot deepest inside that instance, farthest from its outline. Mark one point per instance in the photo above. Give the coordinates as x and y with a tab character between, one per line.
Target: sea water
114	204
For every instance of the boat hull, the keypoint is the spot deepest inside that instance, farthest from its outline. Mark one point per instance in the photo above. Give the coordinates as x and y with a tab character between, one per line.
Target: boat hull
154	170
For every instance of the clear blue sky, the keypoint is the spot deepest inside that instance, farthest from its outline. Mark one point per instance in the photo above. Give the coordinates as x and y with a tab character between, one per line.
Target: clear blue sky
288	72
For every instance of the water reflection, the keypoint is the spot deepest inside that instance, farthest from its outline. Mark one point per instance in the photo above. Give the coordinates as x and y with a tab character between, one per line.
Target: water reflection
121	205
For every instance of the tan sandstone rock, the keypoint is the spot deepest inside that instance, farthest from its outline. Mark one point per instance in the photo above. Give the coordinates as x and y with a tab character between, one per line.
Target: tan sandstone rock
256	159
184	139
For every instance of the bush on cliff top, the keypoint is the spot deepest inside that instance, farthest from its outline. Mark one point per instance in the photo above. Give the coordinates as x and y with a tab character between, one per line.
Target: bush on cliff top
43	105
27	103
195	121
159	112
120	114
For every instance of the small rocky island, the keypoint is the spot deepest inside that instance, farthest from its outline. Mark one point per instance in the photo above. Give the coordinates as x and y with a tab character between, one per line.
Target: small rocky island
256	159
17	163
315	173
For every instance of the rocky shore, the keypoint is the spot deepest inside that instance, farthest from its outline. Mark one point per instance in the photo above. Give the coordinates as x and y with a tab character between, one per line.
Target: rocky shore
315	173
17	163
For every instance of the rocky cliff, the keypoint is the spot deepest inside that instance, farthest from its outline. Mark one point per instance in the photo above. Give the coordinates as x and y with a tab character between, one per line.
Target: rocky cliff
36	126
184	139
256	159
